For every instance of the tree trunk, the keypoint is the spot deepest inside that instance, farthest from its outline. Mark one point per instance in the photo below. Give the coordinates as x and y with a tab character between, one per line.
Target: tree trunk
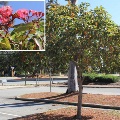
79	107
72	78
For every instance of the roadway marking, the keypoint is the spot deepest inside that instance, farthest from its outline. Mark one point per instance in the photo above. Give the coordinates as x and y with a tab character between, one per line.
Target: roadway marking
9	114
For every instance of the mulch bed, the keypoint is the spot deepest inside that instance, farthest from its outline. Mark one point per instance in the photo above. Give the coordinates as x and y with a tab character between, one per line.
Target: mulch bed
113	100
70	114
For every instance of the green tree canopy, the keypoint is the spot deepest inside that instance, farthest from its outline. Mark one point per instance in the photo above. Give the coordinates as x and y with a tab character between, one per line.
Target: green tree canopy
76	33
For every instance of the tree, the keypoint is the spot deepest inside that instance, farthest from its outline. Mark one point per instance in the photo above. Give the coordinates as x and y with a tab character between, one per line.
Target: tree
82	36
72	72
60	63
6	62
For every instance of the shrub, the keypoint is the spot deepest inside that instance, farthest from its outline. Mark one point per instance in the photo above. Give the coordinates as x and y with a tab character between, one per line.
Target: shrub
93	77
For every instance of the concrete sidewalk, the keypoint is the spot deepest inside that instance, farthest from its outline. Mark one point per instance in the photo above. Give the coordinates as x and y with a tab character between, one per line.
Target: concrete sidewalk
8	87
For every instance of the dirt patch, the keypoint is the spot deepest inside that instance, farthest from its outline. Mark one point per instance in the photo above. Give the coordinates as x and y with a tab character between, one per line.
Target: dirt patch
70	114
113	100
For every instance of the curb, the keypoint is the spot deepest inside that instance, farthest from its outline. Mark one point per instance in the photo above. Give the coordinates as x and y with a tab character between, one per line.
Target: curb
88	86
85	86
47	85
69	103
5	87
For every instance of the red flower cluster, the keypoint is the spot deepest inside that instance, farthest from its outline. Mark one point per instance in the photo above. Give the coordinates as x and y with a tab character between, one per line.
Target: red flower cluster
27	15
7	17
5	14
22	14
35	13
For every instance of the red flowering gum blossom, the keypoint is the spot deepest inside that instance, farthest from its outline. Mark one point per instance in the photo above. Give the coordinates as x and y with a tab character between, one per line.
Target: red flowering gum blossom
28	14
37	14
5	14
7	17
22	14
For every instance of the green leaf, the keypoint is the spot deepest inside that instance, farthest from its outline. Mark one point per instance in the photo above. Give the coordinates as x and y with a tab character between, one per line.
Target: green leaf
2	46
32	31
22	27
23	24
5	44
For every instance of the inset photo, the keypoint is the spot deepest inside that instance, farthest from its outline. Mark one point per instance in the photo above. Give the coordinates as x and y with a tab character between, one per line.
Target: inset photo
22	25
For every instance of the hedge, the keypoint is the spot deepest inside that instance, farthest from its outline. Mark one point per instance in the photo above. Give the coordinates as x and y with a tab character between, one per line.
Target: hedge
93	77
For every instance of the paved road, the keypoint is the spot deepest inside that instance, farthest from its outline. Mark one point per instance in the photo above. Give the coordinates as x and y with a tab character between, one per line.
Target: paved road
33	81
11	108
107	91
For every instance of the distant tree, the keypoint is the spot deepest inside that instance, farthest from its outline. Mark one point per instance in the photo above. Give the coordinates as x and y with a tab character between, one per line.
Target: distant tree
6	61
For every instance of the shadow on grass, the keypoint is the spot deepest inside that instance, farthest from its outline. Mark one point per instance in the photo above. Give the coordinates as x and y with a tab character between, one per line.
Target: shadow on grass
43	116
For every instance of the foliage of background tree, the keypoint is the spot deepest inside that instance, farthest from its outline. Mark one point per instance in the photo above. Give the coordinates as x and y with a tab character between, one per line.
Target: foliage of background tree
6	62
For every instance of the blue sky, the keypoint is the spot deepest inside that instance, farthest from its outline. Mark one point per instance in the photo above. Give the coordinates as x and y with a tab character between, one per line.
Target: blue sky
111	6
34	5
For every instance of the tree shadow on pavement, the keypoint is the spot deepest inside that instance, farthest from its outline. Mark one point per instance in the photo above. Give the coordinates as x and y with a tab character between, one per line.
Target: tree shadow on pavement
22	104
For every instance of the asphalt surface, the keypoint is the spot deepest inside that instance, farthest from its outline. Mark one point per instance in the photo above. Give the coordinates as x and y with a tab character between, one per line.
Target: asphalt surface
11	108
30	81
106	91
